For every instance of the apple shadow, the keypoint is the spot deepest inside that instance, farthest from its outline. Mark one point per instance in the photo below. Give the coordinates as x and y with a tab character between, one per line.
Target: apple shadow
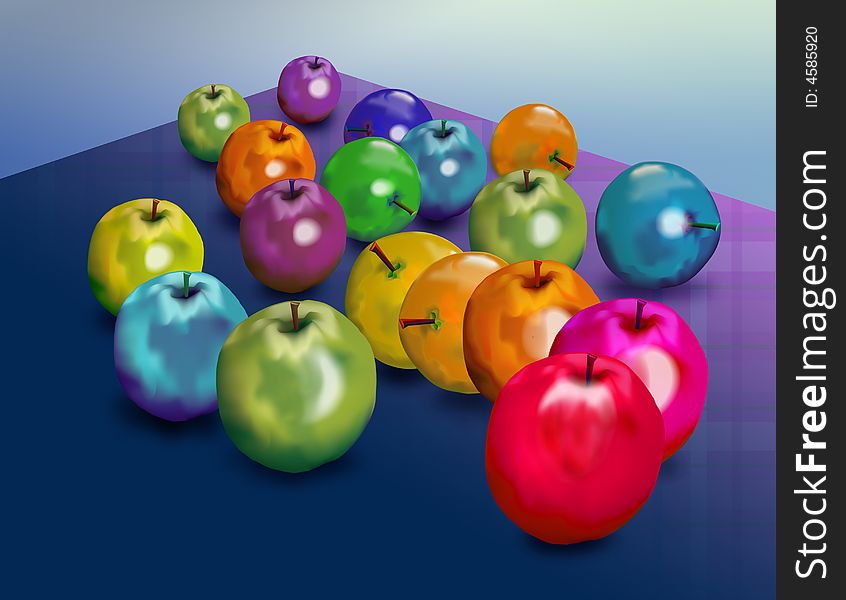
401	377
613	287
265	296
354	247
199	163
464	404
588	548
224	218
454	229
675	467
102	320
412	379
340	467
127	413
608	282
686	291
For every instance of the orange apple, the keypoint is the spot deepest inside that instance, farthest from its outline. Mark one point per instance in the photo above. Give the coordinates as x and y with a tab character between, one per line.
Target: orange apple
534	136
260	153
513	316
432	314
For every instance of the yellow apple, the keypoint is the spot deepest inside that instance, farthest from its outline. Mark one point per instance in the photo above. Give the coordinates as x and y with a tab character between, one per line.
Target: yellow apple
136	241
379	279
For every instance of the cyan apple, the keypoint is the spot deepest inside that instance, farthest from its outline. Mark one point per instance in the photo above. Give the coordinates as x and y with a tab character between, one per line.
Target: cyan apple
296	385
529	215
168	334
656	225
452	164
206	118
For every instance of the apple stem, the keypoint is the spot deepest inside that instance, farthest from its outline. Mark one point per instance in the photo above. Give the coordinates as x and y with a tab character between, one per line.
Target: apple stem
291	185
537	273
589	369
316	64
526	178
154	211
640	305
186	276
214	91
295	316
711	226
281	135
395	200
443	128
406	322
554	157
375	249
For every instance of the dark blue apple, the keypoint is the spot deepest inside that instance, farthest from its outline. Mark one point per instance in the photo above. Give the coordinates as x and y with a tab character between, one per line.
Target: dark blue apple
388	114
656	225
168	335
452	165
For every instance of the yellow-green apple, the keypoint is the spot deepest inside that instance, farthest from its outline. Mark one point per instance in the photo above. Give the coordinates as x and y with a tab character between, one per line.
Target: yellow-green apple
296	385
136	241
206	118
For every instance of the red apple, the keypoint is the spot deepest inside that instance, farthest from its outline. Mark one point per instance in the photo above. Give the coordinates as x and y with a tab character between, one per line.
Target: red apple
574	447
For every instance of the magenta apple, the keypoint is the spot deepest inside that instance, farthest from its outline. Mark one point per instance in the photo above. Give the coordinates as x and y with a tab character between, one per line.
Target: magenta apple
293	234
655	343
309	89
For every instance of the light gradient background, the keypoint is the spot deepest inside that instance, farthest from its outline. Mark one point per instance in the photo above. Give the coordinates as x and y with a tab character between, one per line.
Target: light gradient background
682	81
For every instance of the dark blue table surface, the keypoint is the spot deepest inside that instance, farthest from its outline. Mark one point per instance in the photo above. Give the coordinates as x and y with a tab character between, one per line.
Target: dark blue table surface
100	499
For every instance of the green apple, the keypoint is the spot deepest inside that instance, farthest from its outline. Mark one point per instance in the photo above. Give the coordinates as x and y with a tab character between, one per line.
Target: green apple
206	118
136	241
529	215
296	385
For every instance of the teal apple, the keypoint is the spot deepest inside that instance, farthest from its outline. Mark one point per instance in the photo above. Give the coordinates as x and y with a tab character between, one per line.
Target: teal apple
529	215
657	225
168	334
296	385
206	118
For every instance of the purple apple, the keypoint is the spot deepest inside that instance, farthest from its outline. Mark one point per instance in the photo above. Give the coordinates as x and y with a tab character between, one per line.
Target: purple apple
293	234
309	88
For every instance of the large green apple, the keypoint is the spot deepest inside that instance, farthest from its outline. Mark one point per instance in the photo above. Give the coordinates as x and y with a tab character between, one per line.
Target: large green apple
136	241
296	385
206	118
529	215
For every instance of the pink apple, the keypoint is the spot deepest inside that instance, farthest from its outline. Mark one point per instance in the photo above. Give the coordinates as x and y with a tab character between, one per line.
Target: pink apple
656	344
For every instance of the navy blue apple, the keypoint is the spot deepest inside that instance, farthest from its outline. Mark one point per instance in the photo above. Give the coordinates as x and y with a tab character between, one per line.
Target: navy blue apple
452	165
388	114
656	225
168	335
